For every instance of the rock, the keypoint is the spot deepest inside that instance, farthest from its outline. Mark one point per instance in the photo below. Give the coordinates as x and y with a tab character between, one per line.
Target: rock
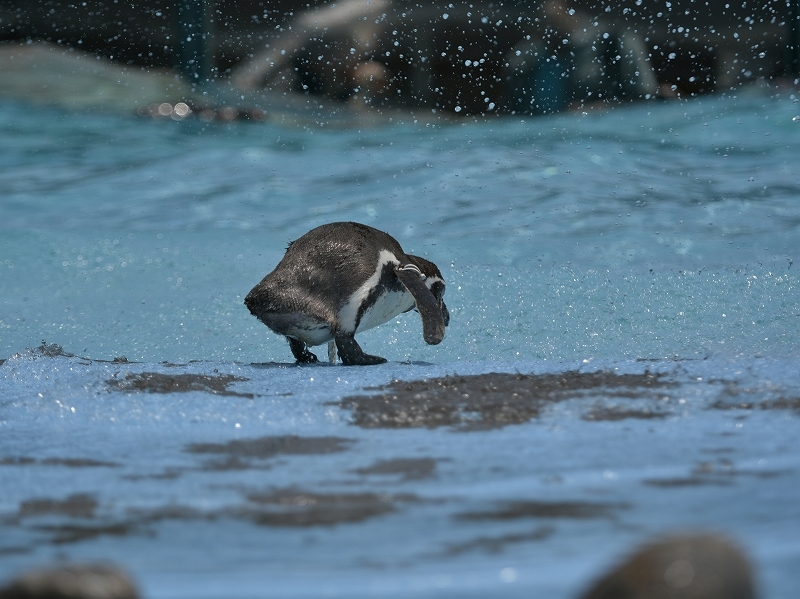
686	566
72	582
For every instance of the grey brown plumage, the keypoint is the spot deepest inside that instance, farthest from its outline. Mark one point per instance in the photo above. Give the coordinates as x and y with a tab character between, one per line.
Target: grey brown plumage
340	279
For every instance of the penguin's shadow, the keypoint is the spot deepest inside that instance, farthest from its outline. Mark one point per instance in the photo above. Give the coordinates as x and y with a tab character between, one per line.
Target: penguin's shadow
321	364
292	365
277	365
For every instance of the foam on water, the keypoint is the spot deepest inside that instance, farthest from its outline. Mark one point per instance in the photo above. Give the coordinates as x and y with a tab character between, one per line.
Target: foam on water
659	238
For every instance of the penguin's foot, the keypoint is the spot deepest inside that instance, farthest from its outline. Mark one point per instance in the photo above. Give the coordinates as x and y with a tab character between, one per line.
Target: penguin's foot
300	352
351	353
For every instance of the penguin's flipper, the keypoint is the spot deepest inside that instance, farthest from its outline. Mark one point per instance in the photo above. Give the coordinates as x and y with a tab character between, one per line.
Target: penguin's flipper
427	305
300	352
351	353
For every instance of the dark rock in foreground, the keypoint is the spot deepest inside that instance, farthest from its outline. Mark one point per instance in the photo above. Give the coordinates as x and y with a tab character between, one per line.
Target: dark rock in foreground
691	566
72	582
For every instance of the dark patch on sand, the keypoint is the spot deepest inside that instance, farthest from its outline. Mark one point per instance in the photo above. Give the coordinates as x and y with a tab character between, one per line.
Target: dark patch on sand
166	474
279	364
232	463
173	512
614	413
406	468
74	533
51	350
138	522
249	454
579	510
268	447
289	507
17	461
54	350
240	453
688	481
721	474
75	506
156	382
292	508
498	544
780	403
278	507
488	400
78	463
68	462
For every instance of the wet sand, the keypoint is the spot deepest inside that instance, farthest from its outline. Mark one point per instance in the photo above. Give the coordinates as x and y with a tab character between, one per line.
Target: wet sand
479	402
156	382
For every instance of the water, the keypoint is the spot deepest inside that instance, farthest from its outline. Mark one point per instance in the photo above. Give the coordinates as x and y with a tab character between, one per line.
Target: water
655	238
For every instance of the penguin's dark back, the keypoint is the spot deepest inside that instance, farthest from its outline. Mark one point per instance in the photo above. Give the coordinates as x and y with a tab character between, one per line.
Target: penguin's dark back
331	260
348	251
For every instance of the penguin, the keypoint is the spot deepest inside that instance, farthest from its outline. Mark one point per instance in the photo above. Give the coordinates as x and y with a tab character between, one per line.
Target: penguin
343	278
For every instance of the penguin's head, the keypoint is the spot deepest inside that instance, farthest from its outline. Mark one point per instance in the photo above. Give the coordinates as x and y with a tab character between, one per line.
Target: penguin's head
433	281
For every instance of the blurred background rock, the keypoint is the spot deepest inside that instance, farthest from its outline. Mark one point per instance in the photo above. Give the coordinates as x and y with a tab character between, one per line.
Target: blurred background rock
469	58
682	566
75	581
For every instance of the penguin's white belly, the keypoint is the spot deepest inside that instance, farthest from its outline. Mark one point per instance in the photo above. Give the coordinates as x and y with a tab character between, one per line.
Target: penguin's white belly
311	332
387	306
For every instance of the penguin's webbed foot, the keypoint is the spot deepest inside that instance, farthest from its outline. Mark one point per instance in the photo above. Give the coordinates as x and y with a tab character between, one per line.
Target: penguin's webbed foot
300	352
351	353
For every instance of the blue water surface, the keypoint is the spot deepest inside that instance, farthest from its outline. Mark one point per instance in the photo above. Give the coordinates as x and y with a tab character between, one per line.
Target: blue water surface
660	237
